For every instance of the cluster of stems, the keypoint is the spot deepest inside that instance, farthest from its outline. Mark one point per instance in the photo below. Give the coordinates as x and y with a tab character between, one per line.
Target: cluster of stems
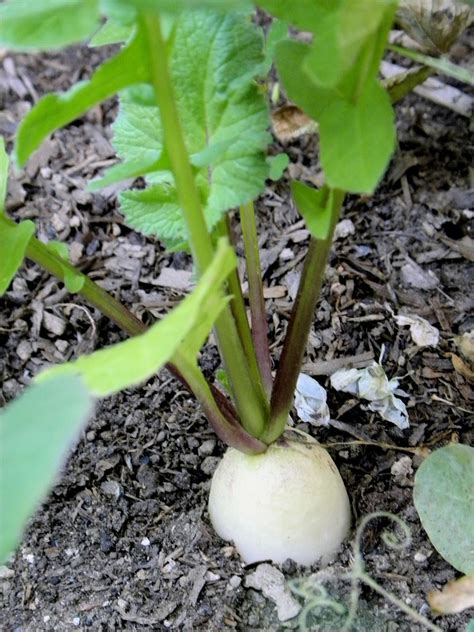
258	412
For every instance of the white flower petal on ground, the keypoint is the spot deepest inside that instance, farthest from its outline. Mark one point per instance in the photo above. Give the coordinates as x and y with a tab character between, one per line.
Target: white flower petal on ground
422	333
373	385
310	401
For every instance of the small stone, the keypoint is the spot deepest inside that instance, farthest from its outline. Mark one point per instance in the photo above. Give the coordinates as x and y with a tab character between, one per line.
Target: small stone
90	436
29	557
6	573
145	542
76	621
402	471
53	324
207	447
209	465
420	557
111	488
46	618
271	582
234	582
286	254
24	350
344	228
212	577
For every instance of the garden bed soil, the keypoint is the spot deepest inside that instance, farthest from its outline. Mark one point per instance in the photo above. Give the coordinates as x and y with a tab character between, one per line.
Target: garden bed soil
124	540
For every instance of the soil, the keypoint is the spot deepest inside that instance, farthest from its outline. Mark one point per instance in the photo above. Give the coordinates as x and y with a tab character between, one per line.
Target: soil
124	541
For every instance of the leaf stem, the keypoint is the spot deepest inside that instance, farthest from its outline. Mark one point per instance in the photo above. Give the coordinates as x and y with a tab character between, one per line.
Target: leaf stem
237	305
249	403
123	317
228	430
256	299
300	323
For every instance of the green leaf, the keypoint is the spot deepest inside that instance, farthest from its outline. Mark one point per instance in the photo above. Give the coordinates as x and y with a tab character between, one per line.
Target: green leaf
441	64
349	44
313	206
333	81
47	24
4	163
278	164
112	32
277	32
56	110
37	431
178	5
357	140
14	240
155	211
130	362
213	59
290	59
307	15
444	500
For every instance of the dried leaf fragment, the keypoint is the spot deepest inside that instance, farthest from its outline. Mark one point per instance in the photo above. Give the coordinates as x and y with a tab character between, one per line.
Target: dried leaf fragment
422	333
465	344
461	367
455	597
434	24
290	123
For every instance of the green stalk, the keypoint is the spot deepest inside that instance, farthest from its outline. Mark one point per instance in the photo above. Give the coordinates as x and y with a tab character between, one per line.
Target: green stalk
93	293
229	432
210	398
256	299
249	403
300	324
237	305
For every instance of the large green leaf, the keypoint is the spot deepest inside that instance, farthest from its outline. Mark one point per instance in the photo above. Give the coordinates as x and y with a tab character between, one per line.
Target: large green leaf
135	360
349	44
444	499
313	206
14	240
56	110
357	140
178	5
307	15
36	433
4	163
213	60
356	122
47	24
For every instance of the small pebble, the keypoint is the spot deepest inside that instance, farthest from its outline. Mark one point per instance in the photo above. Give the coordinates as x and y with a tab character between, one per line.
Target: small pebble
209	465
112	488
6	573
207	447
145	542
420	557
234	582
76	621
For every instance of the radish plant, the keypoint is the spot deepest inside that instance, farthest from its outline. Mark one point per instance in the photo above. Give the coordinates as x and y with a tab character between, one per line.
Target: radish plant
193	122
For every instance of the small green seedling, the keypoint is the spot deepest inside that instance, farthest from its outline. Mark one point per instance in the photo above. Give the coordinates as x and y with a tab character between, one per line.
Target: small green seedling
193	123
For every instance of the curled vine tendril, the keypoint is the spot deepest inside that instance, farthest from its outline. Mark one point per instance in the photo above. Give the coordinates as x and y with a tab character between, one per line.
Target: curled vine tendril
318	599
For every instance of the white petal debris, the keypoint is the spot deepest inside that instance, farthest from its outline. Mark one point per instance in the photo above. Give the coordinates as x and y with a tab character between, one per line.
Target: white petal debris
373	385
310	401
422	333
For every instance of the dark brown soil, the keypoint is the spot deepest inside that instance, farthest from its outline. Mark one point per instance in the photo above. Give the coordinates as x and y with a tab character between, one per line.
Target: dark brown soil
124	540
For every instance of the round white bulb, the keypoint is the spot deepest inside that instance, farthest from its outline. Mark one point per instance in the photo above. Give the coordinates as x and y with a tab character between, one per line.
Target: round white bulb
289	502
